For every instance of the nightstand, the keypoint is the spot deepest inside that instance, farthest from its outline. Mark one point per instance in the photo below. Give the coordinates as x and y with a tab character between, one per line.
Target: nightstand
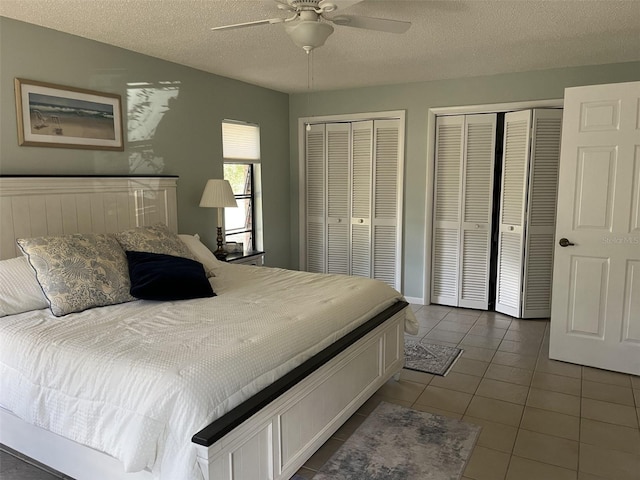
253	257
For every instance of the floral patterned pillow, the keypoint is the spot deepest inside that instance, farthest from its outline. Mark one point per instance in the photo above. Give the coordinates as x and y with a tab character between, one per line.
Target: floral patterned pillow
154	239
79	271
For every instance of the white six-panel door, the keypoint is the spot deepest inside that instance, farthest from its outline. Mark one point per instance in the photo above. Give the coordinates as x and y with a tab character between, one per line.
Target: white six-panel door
595	317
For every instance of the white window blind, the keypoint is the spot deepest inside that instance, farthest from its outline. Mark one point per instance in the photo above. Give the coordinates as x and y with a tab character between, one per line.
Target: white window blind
240	142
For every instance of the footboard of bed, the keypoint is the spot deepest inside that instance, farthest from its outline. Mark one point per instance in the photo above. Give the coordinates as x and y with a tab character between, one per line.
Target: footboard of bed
277	441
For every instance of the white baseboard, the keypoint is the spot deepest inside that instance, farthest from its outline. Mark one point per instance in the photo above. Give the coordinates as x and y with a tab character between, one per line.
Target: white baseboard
415	300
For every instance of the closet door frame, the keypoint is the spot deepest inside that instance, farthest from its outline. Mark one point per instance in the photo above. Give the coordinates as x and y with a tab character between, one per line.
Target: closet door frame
430	171
302	207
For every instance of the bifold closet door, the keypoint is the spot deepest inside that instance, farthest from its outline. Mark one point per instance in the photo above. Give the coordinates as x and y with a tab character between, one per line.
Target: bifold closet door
315	191
361	178
354	185
338	138
446	216
515	176
541	213
387	202
528	212
465	157
477	205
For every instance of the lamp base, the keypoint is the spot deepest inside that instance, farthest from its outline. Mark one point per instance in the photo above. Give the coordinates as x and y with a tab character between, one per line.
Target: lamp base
220	253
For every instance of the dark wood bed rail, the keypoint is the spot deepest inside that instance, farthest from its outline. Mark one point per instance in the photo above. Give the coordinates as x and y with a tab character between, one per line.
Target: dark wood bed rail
223	425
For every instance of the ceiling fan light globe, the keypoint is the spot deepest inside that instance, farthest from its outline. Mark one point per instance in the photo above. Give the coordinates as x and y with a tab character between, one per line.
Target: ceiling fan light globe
309	34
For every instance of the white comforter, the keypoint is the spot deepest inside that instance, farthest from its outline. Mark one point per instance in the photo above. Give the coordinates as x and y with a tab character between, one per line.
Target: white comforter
138	380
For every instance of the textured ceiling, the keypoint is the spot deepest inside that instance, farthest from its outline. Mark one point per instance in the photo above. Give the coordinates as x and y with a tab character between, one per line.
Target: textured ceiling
447	39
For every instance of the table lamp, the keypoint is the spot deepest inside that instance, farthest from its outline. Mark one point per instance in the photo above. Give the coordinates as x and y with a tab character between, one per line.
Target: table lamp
218	194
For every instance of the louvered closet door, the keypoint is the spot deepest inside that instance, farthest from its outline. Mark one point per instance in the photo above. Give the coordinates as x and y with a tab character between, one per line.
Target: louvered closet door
361	169
338	197
541	213
315	199
477	204
387	202
515	173
446	217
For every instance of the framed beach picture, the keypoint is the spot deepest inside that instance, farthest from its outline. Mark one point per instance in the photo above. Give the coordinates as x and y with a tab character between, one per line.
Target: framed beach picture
56	116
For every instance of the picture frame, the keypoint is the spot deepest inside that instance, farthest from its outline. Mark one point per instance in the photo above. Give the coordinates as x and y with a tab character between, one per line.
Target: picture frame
51	115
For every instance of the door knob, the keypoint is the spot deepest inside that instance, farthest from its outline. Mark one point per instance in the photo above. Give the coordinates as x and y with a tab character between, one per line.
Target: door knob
565	243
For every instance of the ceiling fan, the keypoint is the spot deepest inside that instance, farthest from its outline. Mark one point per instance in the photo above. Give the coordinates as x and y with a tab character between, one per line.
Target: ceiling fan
309	27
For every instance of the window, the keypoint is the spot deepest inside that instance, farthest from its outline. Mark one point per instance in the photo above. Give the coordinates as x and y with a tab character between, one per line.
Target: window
241	152
238	222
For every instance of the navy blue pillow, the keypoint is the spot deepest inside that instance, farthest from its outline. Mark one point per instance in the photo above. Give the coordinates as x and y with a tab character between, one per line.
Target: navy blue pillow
156	276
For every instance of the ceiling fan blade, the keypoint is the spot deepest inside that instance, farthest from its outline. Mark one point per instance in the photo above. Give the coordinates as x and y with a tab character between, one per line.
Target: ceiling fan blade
284	5
370	23
250	24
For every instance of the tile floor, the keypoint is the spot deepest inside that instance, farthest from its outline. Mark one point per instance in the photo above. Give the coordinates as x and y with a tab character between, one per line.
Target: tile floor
541	419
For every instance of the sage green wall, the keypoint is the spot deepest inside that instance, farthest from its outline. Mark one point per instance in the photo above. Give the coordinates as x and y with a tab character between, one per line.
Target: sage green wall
190	143
417	99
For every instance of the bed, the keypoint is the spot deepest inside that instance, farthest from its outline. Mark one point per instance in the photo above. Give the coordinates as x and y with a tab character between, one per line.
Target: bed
246	384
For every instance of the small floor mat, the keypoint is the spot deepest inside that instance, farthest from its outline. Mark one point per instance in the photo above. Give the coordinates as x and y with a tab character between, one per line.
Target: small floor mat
429	357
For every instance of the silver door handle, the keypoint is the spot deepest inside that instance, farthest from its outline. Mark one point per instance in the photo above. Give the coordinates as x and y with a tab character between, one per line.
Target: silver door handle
565	243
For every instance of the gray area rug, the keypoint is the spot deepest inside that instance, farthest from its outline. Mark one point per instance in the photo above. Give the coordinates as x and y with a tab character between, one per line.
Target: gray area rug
429	357
399	443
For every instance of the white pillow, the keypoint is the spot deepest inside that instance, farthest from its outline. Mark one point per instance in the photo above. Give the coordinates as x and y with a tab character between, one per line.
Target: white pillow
202	253
19	288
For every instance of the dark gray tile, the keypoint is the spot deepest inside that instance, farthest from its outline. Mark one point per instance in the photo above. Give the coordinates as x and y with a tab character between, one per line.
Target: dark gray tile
13	468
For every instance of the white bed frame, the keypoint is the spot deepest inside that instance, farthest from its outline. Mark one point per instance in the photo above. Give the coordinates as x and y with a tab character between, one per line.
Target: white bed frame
274	442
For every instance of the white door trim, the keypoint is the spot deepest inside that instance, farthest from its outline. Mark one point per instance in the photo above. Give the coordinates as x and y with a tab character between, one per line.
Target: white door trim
431	142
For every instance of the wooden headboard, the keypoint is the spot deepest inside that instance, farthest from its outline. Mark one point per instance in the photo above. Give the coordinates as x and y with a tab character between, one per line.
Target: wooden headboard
40	206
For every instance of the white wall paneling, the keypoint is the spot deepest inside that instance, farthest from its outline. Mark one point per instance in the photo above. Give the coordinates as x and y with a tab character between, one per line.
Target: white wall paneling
41	206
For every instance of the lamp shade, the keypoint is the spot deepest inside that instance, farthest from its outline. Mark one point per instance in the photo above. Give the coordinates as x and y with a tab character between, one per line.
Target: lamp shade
218	193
